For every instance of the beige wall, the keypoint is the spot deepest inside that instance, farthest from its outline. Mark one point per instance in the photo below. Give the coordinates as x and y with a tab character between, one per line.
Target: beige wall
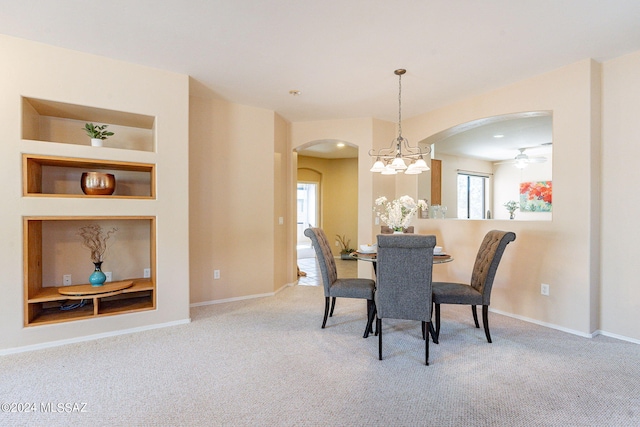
239	190
557	252
284	262
338	196
50	73
620	208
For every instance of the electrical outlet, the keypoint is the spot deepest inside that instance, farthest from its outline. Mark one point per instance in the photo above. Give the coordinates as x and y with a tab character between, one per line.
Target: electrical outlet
216	274
66	280
108	274
544	289
147	273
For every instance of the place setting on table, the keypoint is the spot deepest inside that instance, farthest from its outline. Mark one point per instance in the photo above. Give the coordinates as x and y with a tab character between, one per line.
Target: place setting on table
369	252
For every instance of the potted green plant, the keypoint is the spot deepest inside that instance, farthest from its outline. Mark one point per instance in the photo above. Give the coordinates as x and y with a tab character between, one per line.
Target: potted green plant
97	133
511	206
345	250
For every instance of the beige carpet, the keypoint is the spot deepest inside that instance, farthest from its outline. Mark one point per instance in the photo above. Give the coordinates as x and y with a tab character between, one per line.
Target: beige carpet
266	362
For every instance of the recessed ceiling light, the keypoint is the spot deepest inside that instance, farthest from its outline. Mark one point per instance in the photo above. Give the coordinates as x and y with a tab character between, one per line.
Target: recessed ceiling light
294	92
498	135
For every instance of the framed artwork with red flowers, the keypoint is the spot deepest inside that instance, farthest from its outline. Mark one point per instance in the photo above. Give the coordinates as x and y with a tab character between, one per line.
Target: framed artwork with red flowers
535	196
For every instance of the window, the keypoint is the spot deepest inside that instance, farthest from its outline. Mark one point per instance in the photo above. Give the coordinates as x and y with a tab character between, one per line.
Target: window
471	196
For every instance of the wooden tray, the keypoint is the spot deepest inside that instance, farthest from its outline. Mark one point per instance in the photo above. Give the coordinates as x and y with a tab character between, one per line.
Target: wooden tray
91	291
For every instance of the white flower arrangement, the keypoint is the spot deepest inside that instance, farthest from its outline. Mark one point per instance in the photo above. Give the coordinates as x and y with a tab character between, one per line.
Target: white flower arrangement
397	214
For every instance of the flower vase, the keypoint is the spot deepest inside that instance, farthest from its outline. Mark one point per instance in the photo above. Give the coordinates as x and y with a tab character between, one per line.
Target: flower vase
398	232
97	278
512	215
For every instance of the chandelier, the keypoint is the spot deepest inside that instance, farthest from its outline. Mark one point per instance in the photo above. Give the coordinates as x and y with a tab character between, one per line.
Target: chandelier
400	156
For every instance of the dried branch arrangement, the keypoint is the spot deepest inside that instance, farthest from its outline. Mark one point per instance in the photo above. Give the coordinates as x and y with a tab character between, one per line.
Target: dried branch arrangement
344	244
96	240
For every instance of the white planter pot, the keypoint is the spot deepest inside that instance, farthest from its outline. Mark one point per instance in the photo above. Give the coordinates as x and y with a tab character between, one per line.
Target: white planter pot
96	142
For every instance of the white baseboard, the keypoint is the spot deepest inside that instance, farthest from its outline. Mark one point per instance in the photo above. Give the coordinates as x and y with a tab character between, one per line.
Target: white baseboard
570	331
90	337
616	336
545	324
242	298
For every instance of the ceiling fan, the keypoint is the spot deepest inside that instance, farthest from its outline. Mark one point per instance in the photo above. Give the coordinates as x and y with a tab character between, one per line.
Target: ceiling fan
522	160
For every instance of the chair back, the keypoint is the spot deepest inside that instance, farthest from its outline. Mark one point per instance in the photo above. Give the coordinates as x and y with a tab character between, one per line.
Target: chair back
324	256
388	230
487	260
405	264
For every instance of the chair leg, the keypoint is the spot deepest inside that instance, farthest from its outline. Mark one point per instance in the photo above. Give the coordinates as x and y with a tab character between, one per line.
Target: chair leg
326	311
333	305
371	312
426	347
424	330
475	315
434	336
379	330
437	321
485	321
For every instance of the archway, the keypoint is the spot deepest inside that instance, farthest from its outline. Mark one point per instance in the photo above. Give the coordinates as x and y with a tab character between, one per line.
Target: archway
327	169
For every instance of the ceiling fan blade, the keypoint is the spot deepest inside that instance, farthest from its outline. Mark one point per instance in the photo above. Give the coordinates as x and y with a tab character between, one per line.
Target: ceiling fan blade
537	159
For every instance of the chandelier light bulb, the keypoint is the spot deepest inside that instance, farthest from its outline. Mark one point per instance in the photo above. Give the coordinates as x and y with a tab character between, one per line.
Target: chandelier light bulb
421	165
398	163
412	170
389	171
378	166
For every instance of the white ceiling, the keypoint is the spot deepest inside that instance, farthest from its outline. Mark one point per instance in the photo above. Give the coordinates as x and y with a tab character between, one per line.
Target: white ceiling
340	54
497	138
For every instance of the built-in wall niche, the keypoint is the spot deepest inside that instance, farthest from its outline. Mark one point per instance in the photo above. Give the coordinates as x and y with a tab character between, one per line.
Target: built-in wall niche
60	176
53	249
51	121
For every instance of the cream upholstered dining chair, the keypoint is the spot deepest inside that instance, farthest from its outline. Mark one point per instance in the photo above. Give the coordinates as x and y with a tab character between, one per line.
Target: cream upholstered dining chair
388	230
403	288
479	291
335	287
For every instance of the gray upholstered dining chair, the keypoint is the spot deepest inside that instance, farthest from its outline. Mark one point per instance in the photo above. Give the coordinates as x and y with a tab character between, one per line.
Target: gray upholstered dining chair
388	230
335	287
403	289
479	290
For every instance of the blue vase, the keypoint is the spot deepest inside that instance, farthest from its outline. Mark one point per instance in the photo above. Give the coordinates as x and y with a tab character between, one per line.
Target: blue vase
97	278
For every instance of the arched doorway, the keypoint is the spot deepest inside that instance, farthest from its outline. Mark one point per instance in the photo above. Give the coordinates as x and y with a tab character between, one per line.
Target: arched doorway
327	193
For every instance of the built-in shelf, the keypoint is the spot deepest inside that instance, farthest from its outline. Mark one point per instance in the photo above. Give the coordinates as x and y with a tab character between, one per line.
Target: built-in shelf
46	305
53	176
52	248
52	121
51	245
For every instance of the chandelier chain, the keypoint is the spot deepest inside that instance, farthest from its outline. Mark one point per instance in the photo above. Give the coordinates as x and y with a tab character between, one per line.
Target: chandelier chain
399	107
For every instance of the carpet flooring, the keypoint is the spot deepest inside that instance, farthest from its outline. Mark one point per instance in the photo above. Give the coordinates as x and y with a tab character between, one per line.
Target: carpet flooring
267	362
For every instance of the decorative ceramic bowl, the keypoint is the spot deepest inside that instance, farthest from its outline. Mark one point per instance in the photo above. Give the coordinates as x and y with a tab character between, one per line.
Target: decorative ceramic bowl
98	183
368	249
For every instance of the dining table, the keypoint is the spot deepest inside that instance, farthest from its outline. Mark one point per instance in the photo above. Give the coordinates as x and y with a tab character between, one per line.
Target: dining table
372	257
